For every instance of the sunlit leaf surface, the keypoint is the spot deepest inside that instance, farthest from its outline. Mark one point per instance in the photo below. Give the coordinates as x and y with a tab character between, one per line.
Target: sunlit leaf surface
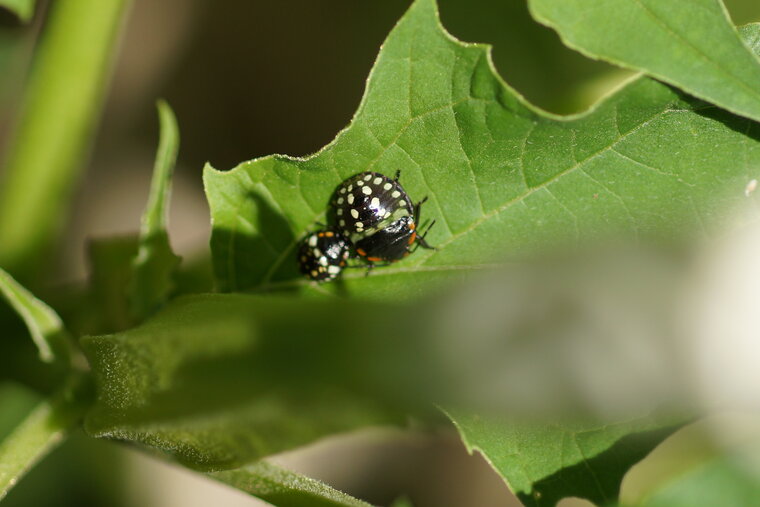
692	45
502	177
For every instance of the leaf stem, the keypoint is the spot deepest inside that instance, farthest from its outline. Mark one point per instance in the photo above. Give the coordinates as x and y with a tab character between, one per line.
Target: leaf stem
42	430
155	262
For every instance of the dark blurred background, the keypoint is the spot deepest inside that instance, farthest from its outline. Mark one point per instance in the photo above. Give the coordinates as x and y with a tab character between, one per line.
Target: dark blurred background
247	79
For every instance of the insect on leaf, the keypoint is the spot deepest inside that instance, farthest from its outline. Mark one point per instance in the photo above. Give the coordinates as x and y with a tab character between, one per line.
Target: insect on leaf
503	179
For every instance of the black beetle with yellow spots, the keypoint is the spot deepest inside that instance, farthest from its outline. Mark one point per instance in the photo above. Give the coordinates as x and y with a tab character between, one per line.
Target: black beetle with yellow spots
377	215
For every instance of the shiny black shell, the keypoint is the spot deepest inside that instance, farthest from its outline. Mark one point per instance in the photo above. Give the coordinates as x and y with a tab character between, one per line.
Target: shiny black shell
389	243
322	255
367	203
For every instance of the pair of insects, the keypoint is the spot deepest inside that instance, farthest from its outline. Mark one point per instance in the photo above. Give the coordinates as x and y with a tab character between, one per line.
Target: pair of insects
374	220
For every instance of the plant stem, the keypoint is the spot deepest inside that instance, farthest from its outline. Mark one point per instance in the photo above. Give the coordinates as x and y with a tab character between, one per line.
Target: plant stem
61	106
43	429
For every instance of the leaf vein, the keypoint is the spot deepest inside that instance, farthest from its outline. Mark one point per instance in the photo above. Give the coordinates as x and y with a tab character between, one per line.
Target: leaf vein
649	167
569	212
590	469
430	190
617	196
475	224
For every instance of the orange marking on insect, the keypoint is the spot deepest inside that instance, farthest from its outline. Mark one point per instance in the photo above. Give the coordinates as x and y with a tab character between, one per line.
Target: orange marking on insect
412	226
374	259
321	234
412	238
329	234
361	252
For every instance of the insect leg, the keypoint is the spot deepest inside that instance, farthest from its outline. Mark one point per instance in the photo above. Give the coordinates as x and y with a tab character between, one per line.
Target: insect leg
369	265
373	265
420	239
418	208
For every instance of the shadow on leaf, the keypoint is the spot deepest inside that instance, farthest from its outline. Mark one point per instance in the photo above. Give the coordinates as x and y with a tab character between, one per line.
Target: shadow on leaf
256	259
597	479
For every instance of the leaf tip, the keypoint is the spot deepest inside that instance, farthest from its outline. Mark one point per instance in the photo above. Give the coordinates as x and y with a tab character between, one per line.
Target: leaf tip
23	10
45	326
166	115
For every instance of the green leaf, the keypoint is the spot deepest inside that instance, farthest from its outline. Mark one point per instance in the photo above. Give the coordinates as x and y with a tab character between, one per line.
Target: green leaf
710	462
111	271
727	479
44	324
58	115
503	178
543	463
284	488
750	34
155	263
218	381
15	403
41	430
692	45
24	9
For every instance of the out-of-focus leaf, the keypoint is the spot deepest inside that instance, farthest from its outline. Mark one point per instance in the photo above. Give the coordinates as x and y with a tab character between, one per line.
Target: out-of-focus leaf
711	462
15	403
542	463
750	34
41	430
155	263
111	271
692	45
724	480
195	276
284	488
110	274
503	178
218	381
44	325
24	9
